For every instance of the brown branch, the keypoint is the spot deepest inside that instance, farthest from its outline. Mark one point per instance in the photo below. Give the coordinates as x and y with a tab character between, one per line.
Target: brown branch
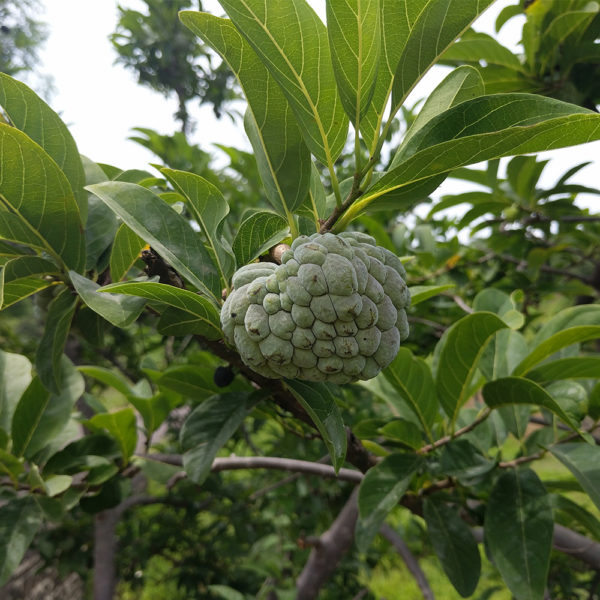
327	553
412	564
448	438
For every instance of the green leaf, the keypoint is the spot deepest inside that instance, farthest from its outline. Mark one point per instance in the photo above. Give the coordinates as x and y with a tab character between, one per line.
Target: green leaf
484	128
191	303
438	21
517	390
15	376
282	156
121	311
107	377
11	466
99	232
207	429
411	376
50	349
566	368
459	85
29	113
453	544
355	44
381	489
209	209
474	47
40	416
167	232
153	410
291	41
13	229
121	425
518	532
126	249
583	460
420	293
575	316
19	278
319	401
575	511
192	381
502	354
462	347
52	216
556	342
20	520
259	232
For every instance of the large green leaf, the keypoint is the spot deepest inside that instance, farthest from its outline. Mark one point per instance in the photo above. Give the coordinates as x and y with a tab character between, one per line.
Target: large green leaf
432	25
119	310
50	349
121	425
454	545
355	43
126	249
20	519
502	354
199	307
29	113
291	41
100	231
554	343
153	410
33	188
462	346
19	289
207	428
484	128
15	376
381	489
259	232
518	532
209	209
566	368
40	415
193	381
13	229
167	232
412	377
518	390
108	377
583	460
459	85
282	156
319	401
575	316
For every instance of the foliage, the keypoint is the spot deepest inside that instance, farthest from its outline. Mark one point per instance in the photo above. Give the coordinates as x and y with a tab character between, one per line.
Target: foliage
166	57
125	273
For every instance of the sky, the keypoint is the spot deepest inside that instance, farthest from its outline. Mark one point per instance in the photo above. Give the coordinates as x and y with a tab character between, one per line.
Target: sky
100	101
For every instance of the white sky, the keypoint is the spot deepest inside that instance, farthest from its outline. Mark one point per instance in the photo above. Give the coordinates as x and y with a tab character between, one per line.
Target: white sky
101	102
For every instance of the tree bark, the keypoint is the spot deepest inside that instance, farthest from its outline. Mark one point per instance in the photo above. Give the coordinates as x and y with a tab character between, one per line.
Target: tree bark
105	550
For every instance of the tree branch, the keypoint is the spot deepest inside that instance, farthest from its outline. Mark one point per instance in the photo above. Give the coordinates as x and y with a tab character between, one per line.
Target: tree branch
412	564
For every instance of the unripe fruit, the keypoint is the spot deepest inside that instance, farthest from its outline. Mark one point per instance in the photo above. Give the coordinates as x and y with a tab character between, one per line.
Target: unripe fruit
334	310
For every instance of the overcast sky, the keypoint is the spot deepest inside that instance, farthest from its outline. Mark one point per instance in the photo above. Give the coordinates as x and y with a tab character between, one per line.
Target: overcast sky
101	102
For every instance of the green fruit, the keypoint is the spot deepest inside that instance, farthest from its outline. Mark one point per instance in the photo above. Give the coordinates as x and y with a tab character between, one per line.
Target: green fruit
334	310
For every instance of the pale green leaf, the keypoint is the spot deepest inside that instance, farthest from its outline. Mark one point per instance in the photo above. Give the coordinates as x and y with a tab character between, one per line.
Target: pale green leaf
567	368
15	376
420	293
108	377
121	425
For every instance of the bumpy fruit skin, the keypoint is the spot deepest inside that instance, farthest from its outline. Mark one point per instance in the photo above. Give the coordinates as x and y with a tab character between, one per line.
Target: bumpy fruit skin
334	310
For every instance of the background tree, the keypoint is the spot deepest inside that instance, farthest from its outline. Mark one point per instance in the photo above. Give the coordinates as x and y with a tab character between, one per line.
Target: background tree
167	57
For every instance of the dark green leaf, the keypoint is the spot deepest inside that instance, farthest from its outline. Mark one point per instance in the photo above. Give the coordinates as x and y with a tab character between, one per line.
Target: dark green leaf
99	231
51	346
411	376
259	232
583	460
52	216
518	532
454	545
193	381
167	232
381	489
126	249
153	410
20	519
319	401
207	429
461	349
121	425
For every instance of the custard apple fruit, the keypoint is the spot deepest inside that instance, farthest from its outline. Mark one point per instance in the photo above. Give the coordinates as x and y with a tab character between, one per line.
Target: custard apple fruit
334	310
